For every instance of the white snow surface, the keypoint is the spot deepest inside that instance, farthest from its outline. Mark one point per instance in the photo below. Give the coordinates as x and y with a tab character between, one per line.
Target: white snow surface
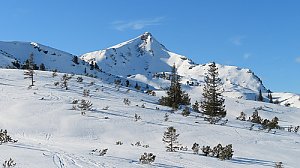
52	135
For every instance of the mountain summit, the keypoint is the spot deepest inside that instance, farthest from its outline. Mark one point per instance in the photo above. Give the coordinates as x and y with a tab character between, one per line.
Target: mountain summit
141	55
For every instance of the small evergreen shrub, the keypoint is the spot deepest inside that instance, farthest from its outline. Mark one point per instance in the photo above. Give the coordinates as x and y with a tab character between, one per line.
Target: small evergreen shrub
147	158
5	138
186	111
79	79
242	117
119	143
137	117
86	93
126	101
195	148
9	163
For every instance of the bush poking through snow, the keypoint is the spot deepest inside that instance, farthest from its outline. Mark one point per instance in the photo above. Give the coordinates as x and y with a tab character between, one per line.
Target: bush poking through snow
86	93
223	153
278	165
103	152
85	105
65	78
166	116
4	137
9	163
137	117
56	83
54	74
151	92
226	152
79	79
119	143
256	118
99	152
195	148
147	158
296	129
126	101
266	124
242	117
206	150
75	101
186	111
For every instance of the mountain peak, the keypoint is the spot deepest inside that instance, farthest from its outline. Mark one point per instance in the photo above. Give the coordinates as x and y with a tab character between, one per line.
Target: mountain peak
146	35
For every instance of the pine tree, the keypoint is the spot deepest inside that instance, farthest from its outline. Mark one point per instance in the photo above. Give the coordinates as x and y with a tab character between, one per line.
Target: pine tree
175	96
29	72
65	80
170	138
270	98
195	106
75	60
213	102
260	97
96	66
127	83
42	67
137	87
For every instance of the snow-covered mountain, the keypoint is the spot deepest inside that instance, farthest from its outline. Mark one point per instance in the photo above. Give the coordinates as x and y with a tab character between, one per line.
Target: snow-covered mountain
52	58
146	57
143	60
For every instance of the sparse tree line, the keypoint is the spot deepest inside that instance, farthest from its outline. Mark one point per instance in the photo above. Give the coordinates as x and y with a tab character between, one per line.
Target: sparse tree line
212	104
265	123
170	137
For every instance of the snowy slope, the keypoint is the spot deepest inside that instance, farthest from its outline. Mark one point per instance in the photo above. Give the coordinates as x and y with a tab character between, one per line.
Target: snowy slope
52	58
52	135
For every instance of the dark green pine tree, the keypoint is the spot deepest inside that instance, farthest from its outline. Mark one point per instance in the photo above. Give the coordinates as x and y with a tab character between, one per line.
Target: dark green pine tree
195	106
260	97
170	138
29	72
213	101
175	96
270	98
42	67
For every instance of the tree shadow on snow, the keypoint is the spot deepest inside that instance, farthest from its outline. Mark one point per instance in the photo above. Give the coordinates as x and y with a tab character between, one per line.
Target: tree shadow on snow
251	161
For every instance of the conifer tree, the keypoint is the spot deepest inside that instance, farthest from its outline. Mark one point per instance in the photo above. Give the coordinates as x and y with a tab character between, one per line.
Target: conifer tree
175	96
75	59
170	138
213	102
29	72
42	67
195	106
270	98
260	97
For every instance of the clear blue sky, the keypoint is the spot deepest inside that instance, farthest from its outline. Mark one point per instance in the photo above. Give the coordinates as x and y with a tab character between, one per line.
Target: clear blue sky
262	35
